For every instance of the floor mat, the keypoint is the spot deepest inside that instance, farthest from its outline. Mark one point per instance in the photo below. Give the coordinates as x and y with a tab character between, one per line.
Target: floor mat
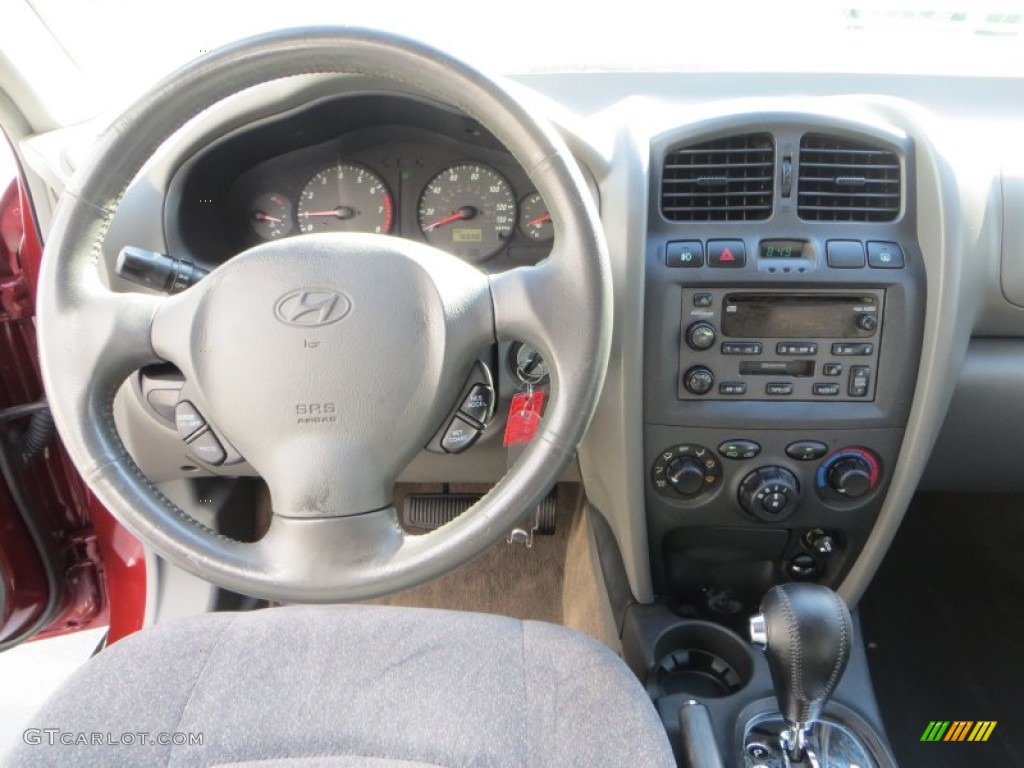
944	626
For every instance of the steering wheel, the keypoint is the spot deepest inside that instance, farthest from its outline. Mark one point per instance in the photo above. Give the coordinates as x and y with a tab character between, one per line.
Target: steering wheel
406	323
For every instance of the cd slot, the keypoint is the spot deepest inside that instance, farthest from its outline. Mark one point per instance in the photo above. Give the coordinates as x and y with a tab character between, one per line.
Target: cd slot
777	368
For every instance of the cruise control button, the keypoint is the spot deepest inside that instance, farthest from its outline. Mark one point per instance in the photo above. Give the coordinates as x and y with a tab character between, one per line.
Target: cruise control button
208	448
739	449
187	419
778	388
726	253
830	388
477	404
684	253
806	450
459	436
885	256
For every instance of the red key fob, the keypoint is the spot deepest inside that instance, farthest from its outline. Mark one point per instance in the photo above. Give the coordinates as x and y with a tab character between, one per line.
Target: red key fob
523	417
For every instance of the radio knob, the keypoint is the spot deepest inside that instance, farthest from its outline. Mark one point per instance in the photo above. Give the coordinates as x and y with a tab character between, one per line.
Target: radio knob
866	321
701	336
686	475
698	380
850	476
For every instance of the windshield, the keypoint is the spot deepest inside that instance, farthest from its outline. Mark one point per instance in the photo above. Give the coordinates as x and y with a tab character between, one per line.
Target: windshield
123	46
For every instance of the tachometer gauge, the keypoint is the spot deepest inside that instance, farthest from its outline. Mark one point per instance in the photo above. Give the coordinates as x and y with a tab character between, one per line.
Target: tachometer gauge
534	219
270	216
467	210
345	198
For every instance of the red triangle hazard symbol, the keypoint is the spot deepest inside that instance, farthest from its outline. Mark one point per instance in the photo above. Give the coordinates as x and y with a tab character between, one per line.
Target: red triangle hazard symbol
727	255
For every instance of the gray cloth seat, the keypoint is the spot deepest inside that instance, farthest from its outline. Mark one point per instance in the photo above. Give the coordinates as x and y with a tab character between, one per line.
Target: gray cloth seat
354	686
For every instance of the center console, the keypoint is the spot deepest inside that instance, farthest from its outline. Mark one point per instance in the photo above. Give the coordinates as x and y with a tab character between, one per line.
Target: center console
783	323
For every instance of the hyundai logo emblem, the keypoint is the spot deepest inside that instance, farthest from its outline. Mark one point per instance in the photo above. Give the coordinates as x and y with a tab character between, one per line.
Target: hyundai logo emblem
311	308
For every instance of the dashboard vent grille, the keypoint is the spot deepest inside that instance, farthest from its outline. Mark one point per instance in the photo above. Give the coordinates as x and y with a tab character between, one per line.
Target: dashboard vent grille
843	180
722	180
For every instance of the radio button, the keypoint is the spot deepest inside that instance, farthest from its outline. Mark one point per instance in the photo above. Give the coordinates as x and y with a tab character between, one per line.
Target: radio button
778	388
845	254
726	253
806	450
732	388
866	321
796	348
703	299
684	253
832	369
829	389
739	449
701	336
846	350
860	381
741	348
885	256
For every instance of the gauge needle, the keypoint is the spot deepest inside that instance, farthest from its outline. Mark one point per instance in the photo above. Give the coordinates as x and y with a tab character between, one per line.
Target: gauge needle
261	216
466	212
539	220
342	212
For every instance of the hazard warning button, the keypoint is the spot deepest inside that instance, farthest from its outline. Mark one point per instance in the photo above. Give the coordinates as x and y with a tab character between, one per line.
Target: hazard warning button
726	253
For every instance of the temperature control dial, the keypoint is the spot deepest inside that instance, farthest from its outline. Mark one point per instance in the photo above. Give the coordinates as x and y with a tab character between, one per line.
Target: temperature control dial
770	493
849	473
685	471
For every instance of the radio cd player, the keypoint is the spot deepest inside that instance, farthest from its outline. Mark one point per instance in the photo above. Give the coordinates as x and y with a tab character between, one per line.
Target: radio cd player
779	345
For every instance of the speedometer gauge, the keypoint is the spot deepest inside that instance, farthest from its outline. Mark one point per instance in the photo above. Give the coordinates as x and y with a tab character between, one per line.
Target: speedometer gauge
468	210
345	198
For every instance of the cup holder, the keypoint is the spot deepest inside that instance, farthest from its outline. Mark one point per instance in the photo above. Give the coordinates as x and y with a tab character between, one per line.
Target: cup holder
700	659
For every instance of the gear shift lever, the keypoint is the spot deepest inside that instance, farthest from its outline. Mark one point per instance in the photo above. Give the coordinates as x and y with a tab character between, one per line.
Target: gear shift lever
806	632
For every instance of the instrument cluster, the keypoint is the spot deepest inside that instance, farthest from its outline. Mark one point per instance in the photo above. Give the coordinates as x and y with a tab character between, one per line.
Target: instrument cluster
472	201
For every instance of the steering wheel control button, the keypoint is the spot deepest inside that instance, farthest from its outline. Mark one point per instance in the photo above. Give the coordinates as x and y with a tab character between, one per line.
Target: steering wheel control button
698	380
478	404
806	450
685	471
732	388
701	336
845	254
459	436
832	369
826	389
187	419
684	253
860	381
739	449
778	388
885	256
769	493
727	253
207	447
741	348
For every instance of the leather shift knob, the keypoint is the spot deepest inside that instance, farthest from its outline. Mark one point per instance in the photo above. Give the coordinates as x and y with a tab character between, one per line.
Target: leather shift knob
807	634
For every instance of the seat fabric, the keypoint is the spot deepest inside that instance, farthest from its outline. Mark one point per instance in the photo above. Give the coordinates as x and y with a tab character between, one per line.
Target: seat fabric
355	686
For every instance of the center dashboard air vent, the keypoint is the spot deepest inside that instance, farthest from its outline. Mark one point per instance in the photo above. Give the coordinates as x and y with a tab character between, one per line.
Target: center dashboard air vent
727	179
844	180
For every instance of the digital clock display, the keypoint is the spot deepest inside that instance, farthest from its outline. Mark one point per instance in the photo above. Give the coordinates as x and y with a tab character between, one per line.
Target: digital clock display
783	249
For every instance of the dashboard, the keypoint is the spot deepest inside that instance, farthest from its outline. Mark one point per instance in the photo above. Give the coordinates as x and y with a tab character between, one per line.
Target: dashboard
785	353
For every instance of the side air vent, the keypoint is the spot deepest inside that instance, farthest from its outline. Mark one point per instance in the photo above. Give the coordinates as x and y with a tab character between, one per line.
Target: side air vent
722	180
843	180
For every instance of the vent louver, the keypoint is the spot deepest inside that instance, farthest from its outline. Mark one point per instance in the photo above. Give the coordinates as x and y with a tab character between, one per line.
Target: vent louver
844	180
726	179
